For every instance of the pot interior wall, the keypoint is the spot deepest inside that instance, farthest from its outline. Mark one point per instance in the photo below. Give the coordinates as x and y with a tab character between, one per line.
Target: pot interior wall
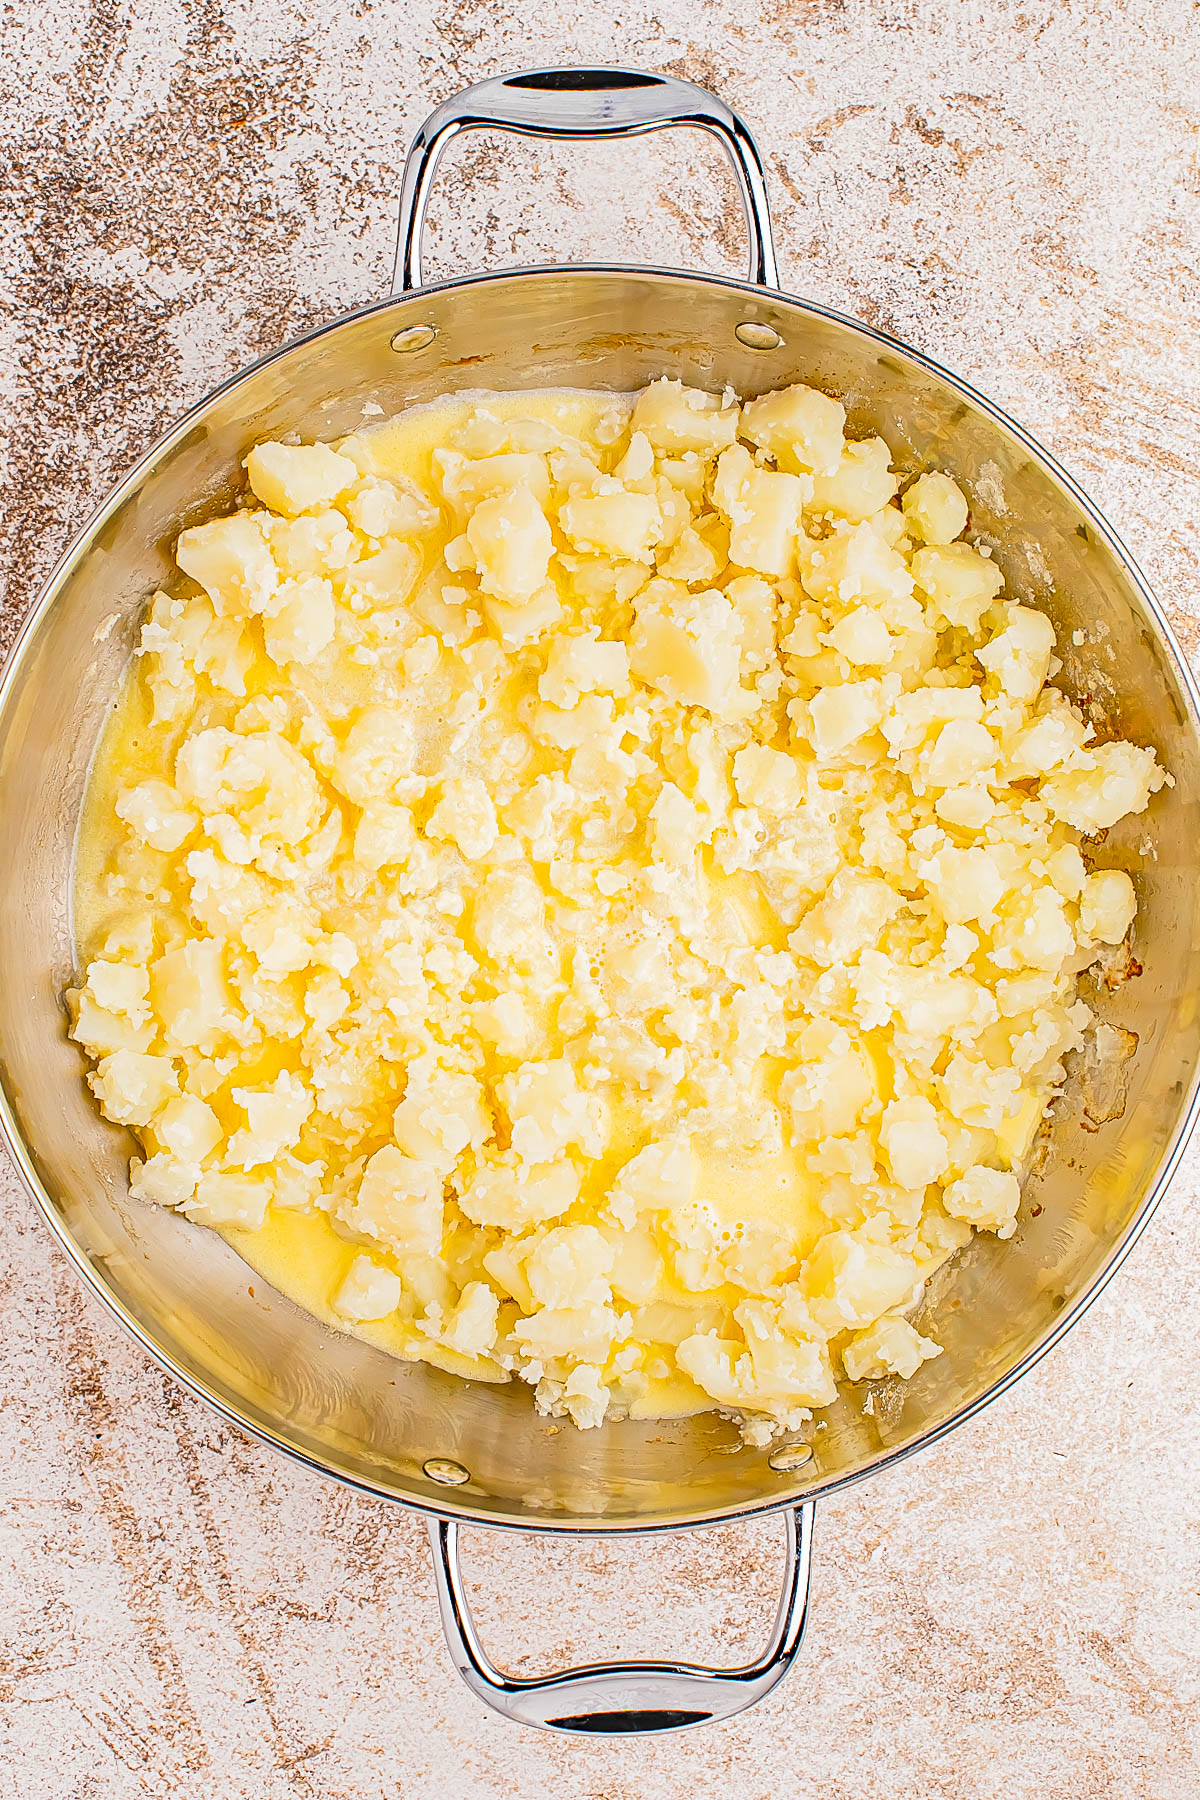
340	1402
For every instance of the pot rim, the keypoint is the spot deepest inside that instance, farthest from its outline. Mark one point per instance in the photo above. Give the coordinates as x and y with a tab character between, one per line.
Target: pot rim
590	1525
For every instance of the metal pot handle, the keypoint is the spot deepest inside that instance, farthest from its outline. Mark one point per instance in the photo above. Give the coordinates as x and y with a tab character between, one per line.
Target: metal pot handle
614	1699
581	103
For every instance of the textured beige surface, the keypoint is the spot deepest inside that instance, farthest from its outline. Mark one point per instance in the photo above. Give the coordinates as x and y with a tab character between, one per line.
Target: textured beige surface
1015	188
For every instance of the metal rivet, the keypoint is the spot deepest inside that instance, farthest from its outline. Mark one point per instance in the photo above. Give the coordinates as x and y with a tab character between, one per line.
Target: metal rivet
757	336
789	1457
414	337
446	1472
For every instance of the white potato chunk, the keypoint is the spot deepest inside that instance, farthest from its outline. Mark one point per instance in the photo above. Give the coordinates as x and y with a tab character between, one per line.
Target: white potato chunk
769	779
570	1266
369	1290
585	1397
318	544
962	749
687	645
384	579
399	1203
515	1195
1019	655
548	1112
985	1198
677	419
676	827
188	1128
100	1032
830	1097
1107	905
120	987
231	559
162	1180
843	713
860	485
156	813
260	777
131	1087
913	1142
377	755
959	586
511	542
395	508
471	1327
468	481
1106	784
852	1278
223	1199
623	525
660	1177
299	623
583	663
763	507
891	1346
862	637
504	1023
190	996
298	478
857	564
1034	932
509	921
442	1113
935	508
847	920
465	816
275	1116
385	835
799	426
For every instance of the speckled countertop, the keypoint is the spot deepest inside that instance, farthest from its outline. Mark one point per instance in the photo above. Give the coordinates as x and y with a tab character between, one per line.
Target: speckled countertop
1012	187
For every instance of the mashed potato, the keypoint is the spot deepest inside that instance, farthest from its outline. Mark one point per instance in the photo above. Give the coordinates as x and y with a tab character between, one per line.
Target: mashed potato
589	890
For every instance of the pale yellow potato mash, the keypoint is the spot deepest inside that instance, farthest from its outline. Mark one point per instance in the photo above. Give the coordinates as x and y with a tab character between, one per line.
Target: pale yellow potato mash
588	889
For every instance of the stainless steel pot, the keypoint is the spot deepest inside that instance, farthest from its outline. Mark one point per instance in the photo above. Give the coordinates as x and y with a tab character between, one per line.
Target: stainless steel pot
466	1452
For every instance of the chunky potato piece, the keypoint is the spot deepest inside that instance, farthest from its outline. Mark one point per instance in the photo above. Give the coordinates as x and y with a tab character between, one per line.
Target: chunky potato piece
300	622
958	583
298	478
1102	786
1107	905
763	508
231	559
514	1195
678	419
377	755
260	777
465	816
687	645
986	1198
1018	657
131	1087
399	1202
890	1346
369	1291
190	997
155	812
859	486
800	427
935	509
511	542
619	524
